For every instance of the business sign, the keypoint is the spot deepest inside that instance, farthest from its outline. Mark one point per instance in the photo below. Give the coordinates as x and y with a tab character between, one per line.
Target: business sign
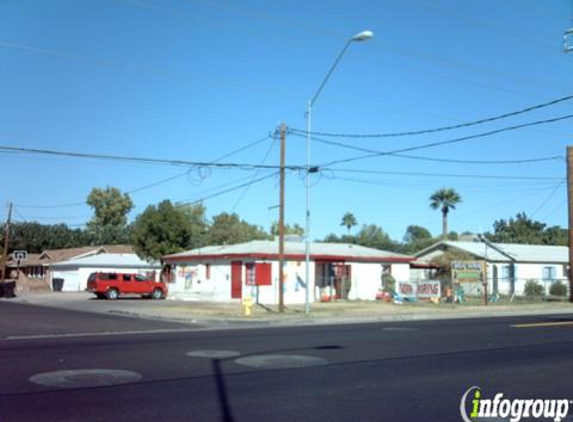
407	289
467	271
427	289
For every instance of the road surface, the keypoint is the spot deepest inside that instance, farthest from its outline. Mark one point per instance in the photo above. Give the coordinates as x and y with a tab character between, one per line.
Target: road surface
62	365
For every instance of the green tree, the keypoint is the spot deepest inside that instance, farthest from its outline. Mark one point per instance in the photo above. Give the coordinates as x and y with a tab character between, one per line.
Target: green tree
416	238
349	221
445	199
228	229
416	234
109	223
294	230
165	229
372	236
523	229
35	237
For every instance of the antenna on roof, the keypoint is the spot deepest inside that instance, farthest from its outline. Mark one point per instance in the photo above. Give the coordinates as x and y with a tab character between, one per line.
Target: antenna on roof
568	40
568	35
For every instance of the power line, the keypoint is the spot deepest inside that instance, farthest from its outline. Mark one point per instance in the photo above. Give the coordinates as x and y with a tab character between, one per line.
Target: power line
135	159
450	141
459	175
251	182
160	182
254	177
553	192
442	160
389	48
438	129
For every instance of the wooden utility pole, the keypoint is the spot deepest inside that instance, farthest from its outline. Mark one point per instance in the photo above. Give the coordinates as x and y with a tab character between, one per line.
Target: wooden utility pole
6	241
282	221
570	220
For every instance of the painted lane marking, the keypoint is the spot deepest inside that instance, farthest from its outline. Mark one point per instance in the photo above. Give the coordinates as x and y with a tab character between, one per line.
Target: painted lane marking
543	324
100	334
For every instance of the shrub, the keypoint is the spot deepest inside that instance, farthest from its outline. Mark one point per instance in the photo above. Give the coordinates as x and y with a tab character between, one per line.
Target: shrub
533	289
558	289
388	283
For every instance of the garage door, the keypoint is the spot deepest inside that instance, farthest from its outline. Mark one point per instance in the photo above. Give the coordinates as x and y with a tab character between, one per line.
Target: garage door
71	280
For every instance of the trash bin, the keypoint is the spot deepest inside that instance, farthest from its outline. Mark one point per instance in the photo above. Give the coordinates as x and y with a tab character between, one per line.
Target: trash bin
7	289
57	284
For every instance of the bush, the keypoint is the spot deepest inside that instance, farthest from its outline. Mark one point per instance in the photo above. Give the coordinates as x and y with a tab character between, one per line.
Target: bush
388	283
533	289
558	289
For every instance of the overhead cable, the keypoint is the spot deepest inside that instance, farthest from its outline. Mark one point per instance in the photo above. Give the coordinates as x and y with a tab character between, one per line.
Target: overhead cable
450	141
442	160
146	160
438	129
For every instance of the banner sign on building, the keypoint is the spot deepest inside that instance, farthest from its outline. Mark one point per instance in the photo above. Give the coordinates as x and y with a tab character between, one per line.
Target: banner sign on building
467	271
413	290
429	289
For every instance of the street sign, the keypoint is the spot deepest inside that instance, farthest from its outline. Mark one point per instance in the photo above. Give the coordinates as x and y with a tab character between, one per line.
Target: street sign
467	271
20	255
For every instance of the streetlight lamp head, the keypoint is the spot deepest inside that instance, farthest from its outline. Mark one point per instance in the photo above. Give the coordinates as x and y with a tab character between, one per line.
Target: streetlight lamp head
363	36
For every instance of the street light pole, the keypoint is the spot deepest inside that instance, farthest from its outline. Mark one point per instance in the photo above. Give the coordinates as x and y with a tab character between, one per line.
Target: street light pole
362	36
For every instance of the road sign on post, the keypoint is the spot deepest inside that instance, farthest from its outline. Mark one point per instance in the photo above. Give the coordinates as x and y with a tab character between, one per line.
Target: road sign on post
20	255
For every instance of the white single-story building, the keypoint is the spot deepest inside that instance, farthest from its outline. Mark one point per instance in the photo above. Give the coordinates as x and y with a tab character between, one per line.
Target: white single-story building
509	266
223	273
75	272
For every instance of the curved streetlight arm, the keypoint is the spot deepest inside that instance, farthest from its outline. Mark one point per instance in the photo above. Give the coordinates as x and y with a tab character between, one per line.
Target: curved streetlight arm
330	71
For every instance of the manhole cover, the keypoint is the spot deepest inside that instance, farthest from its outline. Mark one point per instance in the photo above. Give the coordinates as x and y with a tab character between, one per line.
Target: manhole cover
83	378
281	361
213	354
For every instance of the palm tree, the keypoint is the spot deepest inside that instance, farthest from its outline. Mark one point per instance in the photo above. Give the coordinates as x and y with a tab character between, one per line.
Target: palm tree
349	221
445	199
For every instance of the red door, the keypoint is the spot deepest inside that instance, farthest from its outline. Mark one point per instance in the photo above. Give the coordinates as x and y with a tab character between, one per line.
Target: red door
236	280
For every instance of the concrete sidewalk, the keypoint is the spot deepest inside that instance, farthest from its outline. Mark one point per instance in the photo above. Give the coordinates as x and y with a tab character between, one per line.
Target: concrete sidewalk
232	313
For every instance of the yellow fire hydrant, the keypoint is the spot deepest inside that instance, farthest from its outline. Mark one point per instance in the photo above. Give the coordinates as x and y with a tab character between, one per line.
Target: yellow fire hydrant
248	306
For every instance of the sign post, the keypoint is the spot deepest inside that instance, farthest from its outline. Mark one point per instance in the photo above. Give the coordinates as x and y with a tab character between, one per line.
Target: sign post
19	256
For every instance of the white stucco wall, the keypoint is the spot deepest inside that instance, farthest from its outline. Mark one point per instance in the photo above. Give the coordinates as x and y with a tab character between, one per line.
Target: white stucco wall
523	272
190	282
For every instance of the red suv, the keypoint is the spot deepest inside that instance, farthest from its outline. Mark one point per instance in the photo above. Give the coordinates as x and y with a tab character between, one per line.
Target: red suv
112	285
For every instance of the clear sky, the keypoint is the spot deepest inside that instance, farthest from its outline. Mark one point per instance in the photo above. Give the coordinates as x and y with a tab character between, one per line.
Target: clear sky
197	79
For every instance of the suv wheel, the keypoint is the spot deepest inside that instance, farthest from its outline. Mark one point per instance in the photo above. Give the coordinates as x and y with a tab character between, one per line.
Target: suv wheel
112	294
157	294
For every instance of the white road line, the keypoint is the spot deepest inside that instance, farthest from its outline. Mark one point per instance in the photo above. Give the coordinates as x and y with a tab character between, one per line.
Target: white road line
100	334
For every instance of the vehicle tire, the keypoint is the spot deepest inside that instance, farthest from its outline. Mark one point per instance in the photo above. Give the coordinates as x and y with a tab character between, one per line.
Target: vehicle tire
112	294
157	294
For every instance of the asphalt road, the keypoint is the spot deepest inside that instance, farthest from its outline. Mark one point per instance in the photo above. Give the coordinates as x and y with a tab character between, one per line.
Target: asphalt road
61	365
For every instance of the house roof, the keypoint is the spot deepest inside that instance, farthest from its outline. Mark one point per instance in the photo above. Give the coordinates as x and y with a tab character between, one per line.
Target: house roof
269	249
108	260
504	252
51	256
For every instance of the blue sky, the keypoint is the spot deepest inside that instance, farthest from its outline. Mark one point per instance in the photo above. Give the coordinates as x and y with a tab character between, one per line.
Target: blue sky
197	79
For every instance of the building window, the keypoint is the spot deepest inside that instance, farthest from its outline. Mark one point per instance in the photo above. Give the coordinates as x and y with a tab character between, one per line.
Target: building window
250	274
549	273
258	274
505	272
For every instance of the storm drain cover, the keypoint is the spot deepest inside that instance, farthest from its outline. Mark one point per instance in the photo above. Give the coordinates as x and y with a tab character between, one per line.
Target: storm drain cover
281	361
213	354
84	378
